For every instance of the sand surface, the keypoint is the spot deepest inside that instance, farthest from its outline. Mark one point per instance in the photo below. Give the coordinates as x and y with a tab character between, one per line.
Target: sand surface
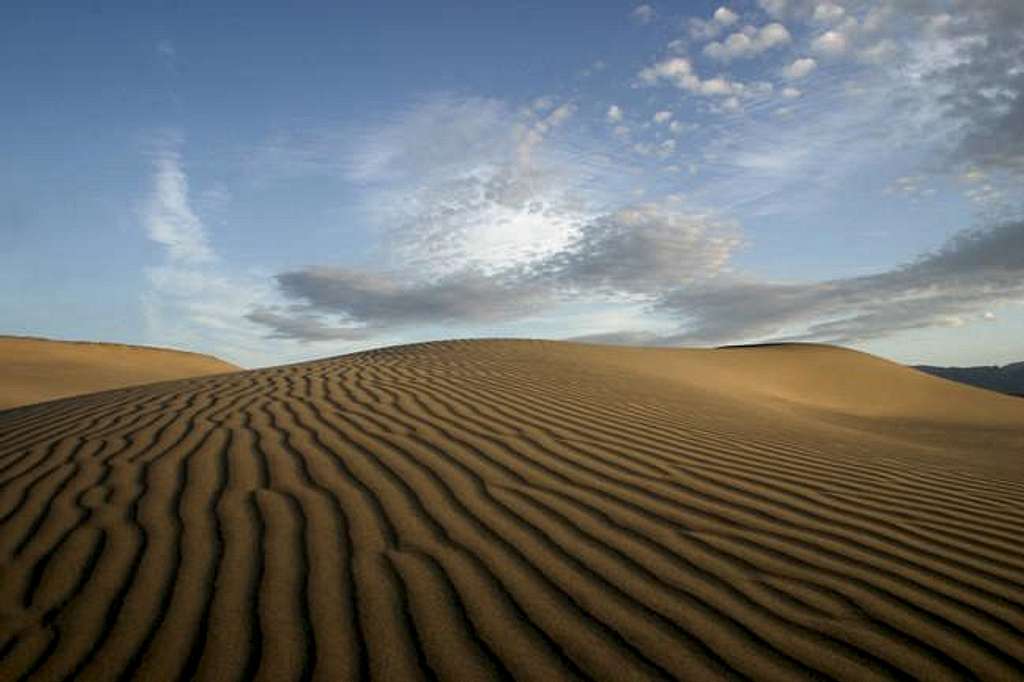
35	370
519	510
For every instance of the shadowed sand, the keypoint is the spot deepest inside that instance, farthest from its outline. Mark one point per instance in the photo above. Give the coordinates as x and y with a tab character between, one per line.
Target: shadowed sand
34	370
517	509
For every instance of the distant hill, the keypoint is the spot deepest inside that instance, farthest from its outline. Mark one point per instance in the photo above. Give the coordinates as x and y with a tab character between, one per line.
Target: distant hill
1005	379
34	370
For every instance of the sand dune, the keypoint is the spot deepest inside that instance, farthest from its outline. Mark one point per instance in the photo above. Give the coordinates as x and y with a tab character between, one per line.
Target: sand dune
519	510
33	370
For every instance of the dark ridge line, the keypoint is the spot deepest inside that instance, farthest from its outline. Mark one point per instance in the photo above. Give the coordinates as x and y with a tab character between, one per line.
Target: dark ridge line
72	411
141	478
95	411
729	591
621	432
255	658
705	495
200	637
893	529
870	533
723	462
38	569
121	434
49	618
410	621
577	483
62	481
32	475
858	467
333	499
118	602
309	661
450	436
554	647
887	597
995	543
7	647
498	669
842	503
28	491
729	557
175	540
609	632
692	639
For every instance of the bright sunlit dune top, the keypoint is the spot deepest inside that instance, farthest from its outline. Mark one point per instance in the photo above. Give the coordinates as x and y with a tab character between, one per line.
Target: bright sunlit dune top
821	377
33	370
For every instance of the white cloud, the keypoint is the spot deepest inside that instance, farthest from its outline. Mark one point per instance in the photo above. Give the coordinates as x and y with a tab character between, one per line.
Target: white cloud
698	30
878	53
791	93
544	103
775	8
662	116
725	16
560	115
830	43
642	14
614	114
471	182
750	43
631	254
828	12
166	51
674	69
877	18
190	301
644	249
167	214
799	68
772	35
679	72
717	86
968	275
911	187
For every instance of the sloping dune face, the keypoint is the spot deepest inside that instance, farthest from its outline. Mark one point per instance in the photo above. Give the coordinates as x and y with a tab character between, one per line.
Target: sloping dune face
518	510
35	370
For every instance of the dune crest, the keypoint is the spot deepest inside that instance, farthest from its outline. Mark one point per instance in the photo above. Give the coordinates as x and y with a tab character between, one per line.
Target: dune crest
33	370
518	510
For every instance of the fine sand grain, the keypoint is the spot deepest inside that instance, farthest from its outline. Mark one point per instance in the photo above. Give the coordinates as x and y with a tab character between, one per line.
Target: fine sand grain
519	510
35	370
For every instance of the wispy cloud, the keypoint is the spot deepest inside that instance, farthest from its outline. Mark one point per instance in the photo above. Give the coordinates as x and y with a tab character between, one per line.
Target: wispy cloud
642	14
970	274
193	299
486	210
633	253
167	214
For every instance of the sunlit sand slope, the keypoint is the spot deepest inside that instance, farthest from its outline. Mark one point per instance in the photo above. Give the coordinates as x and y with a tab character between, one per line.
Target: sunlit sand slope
34	370
528	510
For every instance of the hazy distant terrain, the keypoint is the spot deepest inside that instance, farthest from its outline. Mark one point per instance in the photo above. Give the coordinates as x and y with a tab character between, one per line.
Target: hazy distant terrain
487	510
1005	379
33	370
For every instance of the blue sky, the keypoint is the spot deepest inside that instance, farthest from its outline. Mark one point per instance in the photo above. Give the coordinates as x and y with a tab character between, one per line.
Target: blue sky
271	184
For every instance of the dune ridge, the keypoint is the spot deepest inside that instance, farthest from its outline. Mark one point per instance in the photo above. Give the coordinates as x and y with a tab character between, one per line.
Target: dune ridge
33	370
518	510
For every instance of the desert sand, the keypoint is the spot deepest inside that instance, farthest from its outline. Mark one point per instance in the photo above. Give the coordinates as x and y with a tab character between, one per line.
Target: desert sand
34	370
519	510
